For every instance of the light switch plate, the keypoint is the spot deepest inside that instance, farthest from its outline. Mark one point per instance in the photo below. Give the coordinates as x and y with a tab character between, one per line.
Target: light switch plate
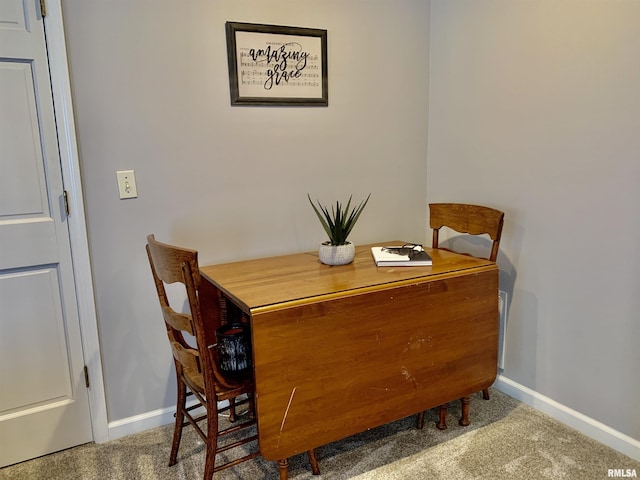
127	184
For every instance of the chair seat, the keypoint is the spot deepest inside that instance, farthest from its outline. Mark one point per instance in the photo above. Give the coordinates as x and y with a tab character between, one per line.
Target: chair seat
195	381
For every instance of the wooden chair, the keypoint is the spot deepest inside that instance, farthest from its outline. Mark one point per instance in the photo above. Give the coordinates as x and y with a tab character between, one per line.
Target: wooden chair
197	366
471	220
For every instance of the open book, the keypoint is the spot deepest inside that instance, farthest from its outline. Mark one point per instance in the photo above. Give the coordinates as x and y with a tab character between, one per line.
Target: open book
401	256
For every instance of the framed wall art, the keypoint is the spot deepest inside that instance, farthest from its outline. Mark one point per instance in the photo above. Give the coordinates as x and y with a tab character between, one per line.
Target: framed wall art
277	65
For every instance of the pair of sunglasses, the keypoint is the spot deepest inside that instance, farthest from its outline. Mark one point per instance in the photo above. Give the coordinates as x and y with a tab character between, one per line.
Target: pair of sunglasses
406	249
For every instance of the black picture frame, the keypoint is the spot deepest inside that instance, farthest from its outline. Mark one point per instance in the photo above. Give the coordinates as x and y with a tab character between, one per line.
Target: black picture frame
277	65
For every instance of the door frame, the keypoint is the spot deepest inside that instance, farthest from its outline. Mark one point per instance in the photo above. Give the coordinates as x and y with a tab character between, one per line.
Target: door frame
69	159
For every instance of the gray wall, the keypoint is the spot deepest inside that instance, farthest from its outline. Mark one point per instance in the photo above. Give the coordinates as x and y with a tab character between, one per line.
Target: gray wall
535	108
151	93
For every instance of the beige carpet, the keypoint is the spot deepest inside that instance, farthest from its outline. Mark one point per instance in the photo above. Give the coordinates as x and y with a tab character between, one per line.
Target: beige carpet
506	440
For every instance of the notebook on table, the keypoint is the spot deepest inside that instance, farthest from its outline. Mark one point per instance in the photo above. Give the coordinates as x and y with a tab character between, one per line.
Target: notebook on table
407	255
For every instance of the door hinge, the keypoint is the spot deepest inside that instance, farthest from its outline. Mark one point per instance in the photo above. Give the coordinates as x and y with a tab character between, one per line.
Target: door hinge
86	376
65	196
43	8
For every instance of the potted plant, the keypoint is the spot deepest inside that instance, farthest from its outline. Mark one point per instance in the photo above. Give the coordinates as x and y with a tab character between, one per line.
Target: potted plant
338	224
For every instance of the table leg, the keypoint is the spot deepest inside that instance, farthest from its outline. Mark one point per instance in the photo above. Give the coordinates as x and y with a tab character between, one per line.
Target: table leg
314	462
420	421
442	420
464	419
283	465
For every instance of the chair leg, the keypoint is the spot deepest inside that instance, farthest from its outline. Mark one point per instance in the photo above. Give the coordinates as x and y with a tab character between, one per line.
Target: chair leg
232	410
464	419
212	440
177	429
283	466
485	394
314	462
442	419
420	421
252	407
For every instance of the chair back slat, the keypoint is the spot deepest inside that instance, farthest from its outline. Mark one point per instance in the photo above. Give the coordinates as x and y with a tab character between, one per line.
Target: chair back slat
179	321
189	358
469	219
168	261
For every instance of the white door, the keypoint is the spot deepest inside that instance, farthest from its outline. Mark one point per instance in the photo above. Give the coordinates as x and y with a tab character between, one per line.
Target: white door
44	404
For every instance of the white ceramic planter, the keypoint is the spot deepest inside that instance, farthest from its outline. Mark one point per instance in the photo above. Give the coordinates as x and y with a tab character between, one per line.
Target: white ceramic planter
337	254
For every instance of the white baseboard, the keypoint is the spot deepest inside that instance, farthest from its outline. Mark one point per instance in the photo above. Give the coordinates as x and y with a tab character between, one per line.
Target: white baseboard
146	421
140	423
586	425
